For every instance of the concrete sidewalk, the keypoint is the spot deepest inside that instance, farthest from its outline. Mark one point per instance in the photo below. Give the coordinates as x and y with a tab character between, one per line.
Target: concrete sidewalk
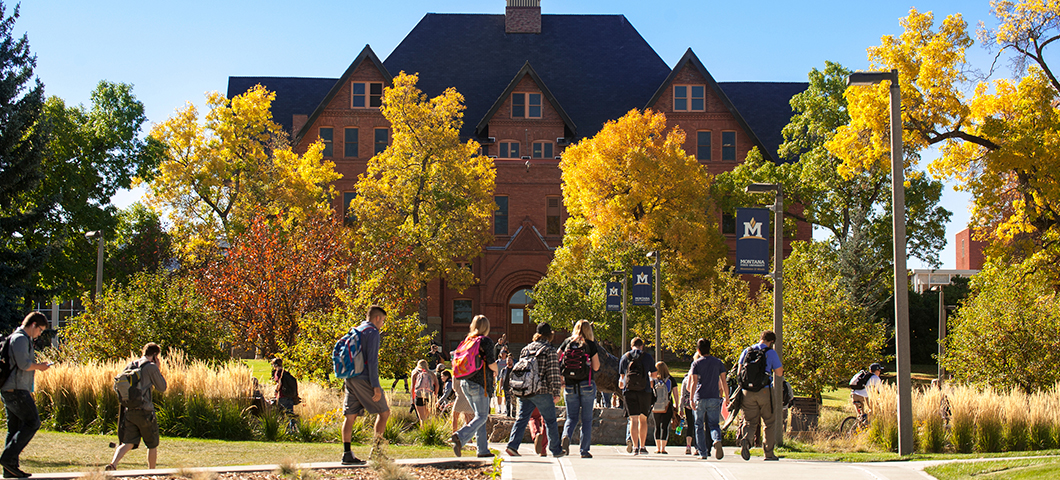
258	468
613	463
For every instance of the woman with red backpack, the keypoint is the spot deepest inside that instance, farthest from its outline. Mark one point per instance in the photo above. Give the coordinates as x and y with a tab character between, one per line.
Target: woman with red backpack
474	364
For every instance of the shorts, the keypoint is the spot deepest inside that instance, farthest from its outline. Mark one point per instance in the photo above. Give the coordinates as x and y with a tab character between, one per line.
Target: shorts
140	424
359	398
421	401
639	402
461	405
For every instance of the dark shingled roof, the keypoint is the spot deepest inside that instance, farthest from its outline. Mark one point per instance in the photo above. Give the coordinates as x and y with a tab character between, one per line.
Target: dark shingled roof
766	108
294	95
597	66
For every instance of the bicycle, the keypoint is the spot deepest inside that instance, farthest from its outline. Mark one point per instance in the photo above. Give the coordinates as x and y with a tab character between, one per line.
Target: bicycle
854	423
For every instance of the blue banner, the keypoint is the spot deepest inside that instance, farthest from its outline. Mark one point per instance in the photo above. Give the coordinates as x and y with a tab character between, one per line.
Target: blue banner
614	296
642	289
752	240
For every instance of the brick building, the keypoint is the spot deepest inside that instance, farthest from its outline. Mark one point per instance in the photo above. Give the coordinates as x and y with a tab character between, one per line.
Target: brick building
533	84
969	252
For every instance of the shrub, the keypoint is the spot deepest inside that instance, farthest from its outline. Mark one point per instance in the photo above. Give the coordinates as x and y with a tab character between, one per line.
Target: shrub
928	412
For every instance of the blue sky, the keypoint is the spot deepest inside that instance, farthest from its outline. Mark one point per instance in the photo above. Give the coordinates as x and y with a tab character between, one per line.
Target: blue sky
175	52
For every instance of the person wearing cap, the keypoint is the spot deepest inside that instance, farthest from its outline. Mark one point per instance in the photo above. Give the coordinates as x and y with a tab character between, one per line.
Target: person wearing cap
547	396
861	396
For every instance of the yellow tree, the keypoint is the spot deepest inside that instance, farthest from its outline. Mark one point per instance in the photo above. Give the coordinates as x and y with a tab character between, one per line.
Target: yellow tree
217	173
427	200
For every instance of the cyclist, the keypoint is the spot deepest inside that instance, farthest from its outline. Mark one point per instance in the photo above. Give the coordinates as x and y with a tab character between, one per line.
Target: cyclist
859	396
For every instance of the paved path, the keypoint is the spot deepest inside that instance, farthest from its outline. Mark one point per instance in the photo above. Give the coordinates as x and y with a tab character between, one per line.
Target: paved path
613	463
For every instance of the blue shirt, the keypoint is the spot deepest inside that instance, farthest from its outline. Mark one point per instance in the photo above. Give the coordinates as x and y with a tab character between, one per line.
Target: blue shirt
646	360
772	359
709	370
370	347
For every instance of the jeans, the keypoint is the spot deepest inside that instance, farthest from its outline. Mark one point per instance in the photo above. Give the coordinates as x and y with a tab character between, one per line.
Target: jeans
480	404
545	404
287	404
23	421
708	415
580	399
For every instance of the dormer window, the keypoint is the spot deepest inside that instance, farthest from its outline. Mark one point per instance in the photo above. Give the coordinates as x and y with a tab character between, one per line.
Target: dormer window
366	94
689	98
526	105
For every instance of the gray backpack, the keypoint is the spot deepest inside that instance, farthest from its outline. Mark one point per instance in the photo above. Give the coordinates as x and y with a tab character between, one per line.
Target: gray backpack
129	387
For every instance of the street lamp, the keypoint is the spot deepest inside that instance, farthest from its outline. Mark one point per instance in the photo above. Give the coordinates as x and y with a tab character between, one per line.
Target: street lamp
901	280
778	295
99	262
658	303
622	274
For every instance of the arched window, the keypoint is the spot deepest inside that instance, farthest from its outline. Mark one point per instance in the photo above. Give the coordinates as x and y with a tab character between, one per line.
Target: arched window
517	306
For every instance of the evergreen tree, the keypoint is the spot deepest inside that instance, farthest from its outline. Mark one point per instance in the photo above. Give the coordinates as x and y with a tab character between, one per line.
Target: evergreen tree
22	143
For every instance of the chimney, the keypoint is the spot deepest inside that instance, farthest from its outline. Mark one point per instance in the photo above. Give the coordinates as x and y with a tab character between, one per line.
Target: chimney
522	16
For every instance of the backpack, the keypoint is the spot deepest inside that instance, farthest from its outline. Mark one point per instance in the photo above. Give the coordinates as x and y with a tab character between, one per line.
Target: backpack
753	367
423	385
574	363
859	380
288	385
662	397
466	357
636	377
347	358
525	379
6	365
129	388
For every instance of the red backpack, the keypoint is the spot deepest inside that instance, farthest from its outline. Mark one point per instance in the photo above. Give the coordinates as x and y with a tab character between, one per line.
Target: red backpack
466	357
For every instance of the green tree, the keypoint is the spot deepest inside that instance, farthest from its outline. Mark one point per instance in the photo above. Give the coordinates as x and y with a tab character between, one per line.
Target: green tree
23	138
139	244
154	307
428	198
1004	334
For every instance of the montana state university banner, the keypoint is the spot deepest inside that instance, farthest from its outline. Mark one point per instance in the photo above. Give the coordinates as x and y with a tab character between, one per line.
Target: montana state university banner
641	290
614	297
752	240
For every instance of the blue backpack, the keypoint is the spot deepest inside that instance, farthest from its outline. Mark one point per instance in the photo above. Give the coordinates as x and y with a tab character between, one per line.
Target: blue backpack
347	357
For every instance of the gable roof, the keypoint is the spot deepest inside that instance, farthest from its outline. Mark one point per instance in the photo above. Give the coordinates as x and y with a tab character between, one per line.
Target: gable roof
766	107
294	95
597	66
366	54
480	129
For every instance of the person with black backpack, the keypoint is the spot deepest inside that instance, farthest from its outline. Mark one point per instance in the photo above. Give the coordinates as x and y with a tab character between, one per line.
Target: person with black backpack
758	365
20	363
536	379
860	384
286	396
137	417
578	360
637	370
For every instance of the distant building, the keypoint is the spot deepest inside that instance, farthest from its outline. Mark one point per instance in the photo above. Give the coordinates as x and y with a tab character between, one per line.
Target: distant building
969	252
533	84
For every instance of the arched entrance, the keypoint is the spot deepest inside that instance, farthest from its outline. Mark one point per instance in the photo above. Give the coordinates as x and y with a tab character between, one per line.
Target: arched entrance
520	328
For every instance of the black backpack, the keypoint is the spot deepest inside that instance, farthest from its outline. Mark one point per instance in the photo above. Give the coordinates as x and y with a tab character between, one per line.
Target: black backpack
636	377
574	363
754	374
6	365
129	386
858	381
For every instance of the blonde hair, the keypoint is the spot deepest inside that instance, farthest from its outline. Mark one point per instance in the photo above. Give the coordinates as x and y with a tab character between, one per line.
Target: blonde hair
664	371
421	364
583	330
480	325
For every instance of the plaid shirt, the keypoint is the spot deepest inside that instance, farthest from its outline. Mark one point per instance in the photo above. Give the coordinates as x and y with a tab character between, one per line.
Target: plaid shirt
548	365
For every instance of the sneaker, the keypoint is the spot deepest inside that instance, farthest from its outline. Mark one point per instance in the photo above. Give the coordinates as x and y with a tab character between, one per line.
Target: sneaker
688	450
109	467
643	451
458	446
635	452
485	455
558	455
349	459
745	449
772	458
587	455
539	445
718	452
565	442
629	446
511	452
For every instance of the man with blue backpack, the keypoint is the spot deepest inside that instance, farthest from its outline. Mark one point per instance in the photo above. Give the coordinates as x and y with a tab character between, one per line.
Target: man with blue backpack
356	358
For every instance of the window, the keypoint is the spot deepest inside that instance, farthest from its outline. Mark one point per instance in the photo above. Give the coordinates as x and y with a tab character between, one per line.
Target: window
517	306
367	94
500	216
326	136
462	312
702	145
509	150
542	149
689	98
552	216
350	140
728	145
380	140
526	105
348	214
728	224
485	150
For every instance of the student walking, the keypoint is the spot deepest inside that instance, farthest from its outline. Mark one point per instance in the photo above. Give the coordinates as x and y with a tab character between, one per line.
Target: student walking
286	392
138	418
756	364
662	410
474	364
686	412
709	390
547	382
425	386
578	360
363	392
637	369
23	420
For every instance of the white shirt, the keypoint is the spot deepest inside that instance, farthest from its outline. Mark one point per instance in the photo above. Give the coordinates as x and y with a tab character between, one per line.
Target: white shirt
874	380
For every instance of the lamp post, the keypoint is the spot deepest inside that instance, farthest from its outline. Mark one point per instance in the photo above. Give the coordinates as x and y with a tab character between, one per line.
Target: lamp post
622	274
942	333
658	302
98	234
778	295
901	280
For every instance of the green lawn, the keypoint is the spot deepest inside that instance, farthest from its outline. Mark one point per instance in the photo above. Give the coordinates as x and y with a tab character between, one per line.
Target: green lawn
65	452
1001	469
